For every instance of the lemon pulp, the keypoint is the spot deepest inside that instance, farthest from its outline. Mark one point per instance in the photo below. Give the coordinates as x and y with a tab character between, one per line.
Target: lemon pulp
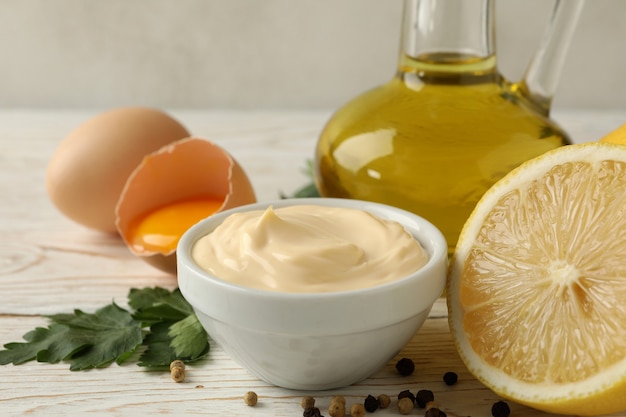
537	286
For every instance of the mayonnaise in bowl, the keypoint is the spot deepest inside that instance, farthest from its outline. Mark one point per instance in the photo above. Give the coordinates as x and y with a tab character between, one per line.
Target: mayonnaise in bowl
309	249
342	290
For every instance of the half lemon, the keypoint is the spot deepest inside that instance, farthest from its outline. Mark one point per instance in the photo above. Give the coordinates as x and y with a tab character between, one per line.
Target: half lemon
537	285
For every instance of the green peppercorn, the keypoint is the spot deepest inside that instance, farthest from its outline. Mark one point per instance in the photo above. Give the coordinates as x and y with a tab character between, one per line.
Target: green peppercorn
370	404
450	378
500	409
423	397
405	366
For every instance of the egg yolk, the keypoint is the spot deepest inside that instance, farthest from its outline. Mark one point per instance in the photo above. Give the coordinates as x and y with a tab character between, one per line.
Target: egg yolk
161	229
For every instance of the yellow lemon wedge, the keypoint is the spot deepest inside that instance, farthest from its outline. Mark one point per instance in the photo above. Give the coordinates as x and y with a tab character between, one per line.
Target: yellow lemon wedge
537	285
616	136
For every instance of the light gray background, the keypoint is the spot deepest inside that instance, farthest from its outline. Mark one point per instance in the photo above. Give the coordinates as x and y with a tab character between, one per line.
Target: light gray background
263	54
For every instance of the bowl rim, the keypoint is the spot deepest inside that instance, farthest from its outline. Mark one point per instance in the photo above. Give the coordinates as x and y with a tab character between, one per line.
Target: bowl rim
429	236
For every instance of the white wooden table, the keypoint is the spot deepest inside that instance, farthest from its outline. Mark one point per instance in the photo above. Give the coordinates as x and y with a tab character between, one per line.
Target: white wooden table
49	264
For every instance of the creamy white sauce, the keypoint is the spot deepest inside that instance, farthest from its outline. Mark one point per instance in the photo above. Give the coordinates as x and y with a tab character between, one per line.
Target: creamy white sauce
309	248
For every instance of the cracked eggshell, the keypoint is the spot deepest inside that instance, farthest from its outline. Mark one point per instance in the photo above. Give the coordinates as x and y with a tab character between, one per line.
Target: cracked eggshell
87	172
188	168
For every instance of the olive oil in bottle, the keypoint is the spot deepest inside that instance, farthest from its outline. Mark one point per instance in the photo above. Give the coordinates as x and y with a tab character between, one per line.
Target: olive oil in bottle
439	134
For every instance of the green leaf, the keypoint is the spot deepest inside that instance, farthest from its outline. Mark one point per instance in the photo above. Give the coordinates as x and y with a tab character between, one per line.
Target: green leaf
158	304
52	344
175	332
189	339
159	352
185	340
114	334
139	299
85	340
111	333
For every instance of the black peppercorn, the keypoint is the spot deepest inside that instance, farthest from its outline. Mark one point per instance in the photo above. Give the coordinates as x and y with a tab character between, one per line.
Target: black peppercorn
312	412
405	366
434	412
370	404
450	378
423	397
500	409
406	394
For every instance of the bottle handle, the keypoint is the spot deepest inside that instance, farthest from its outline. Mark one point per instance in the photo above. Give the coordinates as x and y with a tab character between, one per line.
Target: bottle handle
541	78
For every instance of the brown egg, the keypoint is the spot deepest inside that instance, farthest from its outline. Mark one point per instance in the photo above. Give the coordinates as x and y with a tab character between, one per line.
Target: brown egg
172	189
88	170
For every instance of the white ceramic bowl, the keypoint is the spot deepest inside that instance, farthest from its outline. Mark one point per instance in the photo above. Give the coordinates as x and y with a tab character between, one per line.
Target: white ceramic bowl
314	341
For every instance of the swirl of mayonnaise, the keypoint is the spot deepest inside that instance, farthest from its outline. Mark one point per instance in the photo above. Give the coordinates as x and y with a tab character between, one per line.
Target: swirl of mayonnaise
308	249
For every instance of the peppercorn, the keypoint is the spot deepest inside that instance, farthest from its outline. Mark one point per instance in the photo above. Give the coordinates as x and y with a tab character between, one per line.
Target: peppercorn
339	398
384	401
178	374
177	370
370	404
405	405
434	412
307	402
337	408
406	394
312	412
450	378
357	410
424	396
177	362
405	366
250	398
500	409
431	404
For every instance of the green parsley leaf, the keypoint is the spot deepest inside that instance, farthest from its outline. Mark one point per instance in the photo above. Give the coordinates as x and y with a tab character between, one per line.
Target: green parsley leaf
158	351
176	335
43	344
185	340
85	340
158	304
115	334
189	339
143	298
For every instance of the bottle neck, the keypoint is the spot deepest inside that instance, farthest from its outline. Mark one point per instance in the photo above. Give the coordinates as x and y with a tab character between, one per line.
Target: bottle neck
448	37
